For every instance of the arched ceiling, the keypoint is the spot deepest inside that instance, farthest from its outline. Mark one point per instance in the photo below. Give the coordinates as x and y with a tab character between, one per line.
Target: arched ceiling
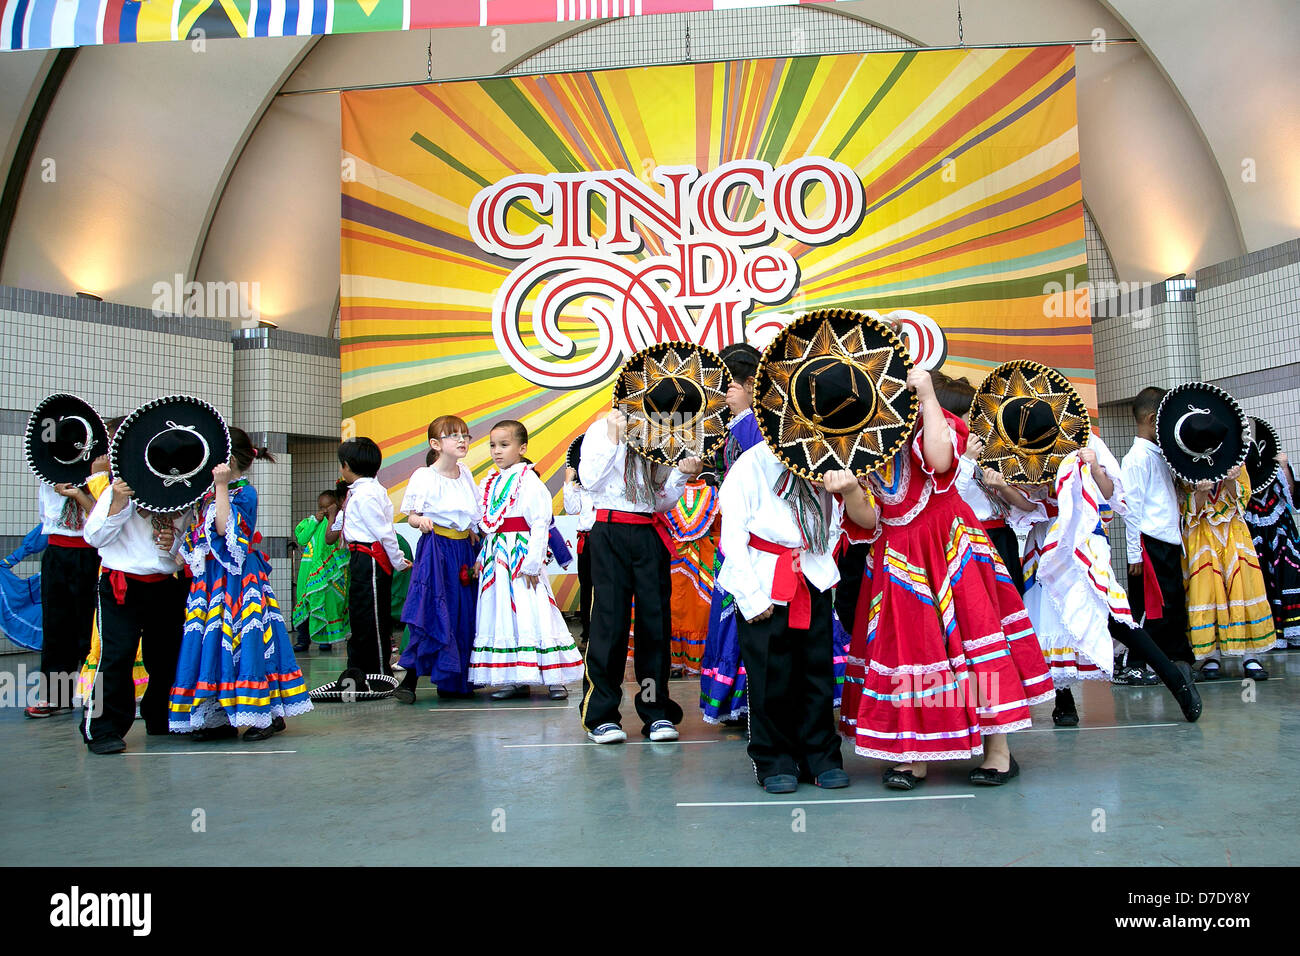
222	165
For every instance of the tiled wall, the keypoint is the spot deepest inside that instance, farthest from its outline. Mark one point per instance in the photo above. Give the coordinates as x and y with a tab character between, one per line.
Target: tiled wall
287	382
315	468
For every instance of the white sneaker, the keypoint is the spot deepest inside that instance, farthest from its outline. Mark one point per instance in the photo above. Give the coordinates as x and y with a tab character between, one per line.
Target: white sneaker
663	730
607	734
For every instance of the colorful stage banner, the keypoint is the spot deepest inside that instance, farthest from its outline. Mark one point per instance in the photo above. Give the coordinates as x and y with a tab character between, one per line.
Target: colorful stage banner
45	24
506	243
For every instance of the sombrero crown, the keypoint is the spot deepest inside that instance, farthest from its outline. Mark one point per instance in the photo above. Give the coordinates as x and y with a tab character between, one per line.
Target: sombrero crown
1202	432
1029	417
831	393
64	437
166	450
675	397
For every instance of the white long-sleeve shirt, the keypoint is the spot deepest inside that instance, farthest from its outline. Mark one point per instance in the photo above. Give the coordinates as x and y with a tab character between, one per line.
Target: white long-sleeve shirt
51	508
600	469
749	504
125	540
450	502
533	504
578	501
367	517
1152	500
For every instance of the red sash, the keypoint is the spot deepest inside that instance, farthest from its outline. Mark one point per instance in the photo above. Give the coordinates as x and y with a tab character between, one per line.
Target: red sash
376	550
516	524
582	540
639	517
67	541
993	524
118	580
1154	600
788	582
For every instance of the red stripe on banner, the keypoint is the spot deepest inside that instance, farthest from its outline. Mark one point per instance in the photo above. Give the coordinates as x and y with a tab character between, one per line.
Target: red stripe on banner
444	13
112	20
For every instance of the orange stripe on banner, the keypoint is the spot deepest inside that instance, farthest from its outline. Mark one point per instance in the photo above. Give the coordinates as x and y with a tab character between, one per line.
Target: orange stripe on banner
466	128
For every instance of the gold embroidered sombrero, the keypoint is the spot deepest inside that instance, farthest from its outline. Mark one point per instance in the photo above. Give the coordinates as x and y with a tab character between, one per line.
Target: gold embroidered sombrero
1029	417
675	397
831	393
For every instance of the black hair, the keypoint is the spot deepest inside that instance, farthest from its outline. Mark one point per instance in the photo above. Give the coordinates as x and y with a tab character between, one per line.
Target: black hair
1147	402
430	457
340	491
330	493
362	455
521	433
954	394
741	361
244	451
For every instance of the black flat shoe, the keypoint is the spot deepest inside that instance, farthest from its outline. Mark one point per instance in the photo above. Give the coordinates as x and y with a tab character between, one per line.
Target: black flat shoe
205	734
510	693
901	779
1254	671
1209	671
106	745
262	733
558	692
781	783
404	695
994	778
1188	697
1064	714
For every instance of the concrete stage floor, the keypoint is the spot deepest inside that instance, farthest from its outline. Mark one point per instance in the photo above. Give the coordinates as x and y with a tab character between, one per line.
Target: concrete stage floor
517	783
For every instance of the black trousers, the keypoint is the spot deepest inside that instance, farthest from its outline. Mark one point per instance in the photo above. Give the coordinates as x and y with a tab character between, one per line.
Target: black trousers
370	614
791	689
628	561
1170	631
852	562
68	578
151	617
1142	648
1004	539
584	584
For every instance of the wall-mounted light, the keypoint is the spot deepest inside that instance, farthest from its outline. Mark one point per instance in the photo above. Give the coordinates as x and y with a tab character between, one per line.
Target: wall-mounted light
90	295
266	324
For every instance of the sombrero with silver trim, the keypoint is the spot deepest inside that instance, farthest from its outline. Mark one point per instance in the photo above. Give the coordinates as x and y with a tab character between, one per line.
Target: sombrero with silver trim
675	397
1202	432
1261	454
831	393
166	450
64	437
1029	417
574	454
352	685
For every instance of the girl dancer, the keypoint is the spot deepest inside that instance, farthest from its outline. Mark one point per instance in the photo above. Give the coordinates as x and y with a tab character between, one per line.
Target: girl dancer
1271	516
442	503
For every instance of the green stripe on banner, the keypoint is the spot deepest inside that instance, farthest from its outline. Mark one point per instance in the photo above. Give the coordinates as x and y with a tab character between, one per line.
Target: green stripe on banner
870	108
532	124
789	101
1028	288
430	147
367	16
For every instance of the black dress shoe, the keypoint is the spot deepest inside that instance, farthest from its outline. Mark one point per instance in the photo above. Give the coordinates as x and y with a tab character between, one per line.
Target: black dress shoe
1065	714
558	692
994	778
781	783
262	733
205	734
832	779
106	745
511	692
1210	670
1188	697
404	695
901	779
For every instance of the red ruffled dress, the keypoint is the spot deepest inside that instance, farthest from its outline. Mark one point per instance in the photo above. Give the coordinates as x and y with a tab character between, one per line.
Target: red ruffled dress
942	650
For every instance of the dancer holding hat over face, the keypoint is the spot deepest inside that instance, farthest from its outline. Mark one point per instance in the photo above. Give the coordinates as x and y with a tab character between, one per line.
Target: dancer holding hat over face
1271	516
1203	434
944	661
1035	429
669	412
236	666
64	438
162	460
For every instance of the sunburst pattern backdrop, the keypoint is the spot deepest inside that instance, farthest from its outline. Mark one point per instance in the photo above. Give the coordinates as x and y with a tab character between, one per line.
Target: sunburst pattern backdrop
970	195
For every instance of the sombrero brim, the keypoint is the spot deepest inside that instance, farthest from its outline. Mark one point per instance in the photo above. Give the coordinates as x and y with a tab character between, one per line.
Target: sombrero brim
696	436
1184	400
40	454
334	691
574	454
1261	455
1025	379
862	338
162	493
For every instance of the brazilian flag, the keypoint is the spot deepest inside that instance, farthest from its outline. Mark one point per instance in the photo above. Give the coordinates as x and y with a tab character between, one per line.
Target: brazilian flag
367	16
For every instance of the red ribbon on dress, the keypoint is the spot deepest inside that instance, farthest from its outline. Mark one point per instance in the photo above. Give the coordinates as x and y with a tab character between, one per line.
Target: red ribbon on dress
658	521
1155	601
376	550
118	580
788	582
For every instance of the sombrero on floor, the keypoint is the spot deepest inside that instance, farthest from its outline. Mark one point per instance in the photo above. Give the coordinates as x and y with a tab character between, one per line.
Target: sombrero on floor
675	397
352	685
166	450
1029	417
1201	431
64	437
1261	454
831	393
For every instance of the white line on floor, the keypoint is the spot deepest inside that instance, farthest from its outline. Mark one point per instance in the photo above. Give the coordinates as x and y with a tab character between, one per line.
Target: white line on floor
812	803
494	709
630	743
209	753
1053	730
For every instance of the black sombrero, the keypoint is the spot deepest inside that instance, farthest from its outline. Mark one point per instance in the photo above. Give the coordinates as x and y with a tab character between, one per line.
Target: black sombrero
574	454
1261	454
831	393
166	450
352	685
64	437
675	398
1029	417
1202	432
